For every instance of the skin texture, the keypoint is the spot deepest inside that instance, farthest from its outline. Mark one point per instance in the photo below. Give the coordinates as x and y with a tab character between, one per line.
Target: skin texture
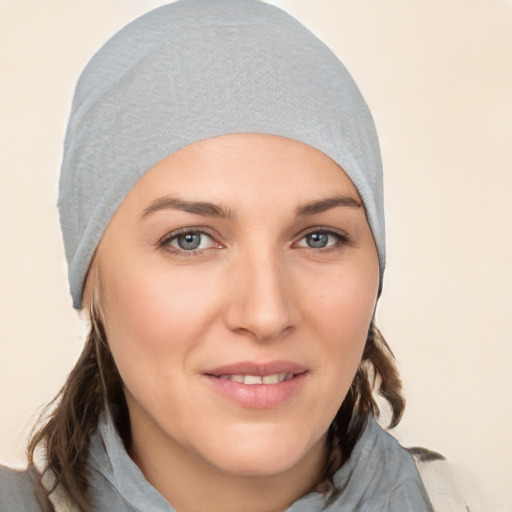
253	291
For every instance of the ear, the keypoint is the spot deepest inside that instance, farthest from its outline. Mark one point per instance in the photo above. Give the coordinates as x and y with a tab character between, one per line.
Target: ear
90	280
85	310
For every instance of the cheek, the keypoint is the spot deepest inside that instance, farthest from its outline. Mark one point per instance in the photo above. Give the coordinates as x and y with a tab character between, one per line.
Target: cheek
340	312
152	304
342	303
153	320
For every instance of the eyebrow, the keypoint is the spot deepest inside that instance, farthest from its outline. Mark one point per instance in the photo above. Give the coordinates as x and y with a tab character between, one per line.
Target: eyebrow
207	209
198	207
323	205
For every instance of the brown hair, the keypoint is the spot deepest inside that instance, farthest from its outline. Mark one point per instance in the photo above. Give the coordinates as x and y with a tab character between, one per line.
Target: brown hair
94	384
377	374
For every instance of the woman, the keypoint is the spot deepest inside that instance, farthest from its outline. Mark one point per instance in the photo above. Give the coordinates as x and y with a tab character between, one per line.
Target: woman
221	206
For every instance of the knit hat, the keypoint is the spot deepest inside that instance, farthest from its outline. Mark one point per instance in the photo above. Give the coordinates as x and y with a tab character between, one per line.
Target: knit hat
196	69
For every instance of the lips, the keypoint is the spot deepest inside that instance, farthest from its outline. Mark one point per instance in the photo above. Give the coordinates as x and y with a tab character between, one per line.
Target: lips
258	386
274	378
258	369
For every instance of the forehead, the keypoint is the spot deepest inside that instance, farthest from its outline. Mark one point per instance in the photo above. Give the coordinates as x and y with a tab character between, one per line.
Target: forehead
257	165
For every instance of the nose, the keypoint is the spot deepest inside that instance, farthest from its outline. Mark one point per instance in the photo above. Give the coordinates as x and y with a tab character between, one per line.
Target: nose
261	302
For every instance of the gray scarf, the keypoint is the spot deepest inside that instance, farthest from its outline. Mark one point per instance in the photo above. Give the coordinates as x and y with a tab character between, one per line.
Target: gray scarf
379	476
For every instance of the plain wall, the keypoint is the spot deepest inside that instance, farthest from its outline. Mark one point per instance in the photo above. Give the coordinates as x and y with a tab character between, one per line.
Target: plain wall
437	75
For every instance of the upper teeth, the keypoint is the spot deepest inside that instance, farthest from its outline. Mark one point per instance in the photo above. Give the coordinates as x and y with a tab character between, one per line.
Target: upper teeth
256	379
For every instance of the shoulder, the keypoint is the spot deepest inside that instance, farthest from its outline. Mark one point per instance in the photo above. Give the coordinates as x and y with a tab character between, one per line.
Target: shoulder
17	491
417	471
437	477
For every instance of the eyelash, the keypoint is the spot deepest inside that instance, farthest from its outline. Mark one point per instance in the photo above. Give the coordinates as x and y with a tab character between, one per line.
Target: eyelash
165	242
340	239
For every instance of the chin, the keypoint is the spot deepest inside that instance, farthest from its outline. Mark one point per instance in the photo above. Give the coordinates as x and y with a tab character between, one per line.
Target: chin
264	455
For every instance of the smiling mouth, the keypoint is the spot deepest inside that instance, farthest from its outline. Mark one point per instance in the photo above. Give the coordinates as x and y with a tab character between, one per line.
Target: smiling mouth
256	385
253	373
251	380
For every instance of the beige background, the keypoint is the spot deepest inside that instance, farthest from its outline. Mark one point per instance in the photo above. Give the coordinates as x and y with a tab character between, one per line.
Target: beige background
438	77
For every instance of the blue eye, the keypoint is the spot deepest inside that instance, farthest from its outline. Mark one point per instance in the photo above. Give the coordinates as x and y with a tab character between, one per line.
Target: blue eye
317	240
321	239
188	241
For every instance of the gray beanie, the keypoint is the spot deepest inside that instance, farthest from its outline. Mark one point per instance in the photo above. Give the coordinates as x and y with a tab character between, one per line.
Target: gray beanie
196	69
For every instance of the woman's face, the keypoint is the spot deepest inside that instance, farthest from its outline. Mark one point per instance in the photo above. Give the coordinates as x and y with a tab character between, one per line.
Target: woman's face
238	280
